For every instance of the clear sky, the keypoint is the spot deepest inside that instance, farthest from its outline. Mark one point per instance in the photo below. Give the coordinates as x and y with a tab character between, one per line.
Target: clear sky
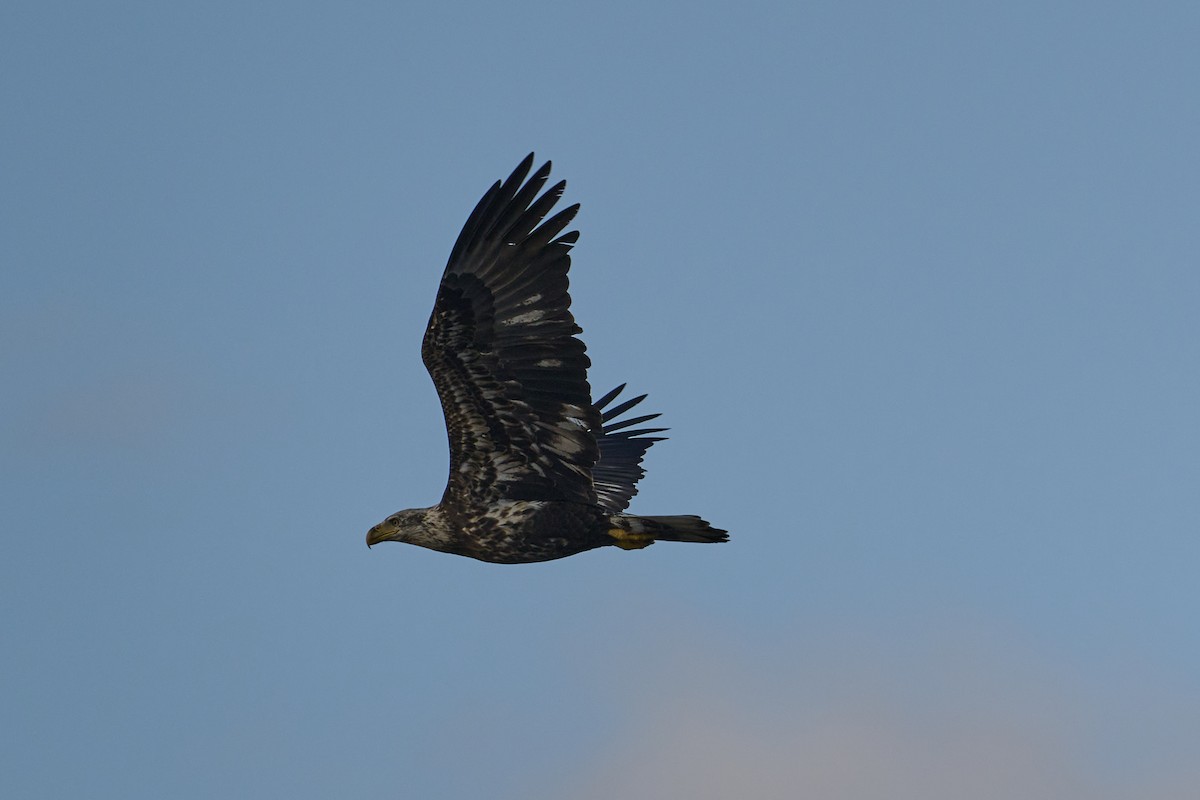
915	286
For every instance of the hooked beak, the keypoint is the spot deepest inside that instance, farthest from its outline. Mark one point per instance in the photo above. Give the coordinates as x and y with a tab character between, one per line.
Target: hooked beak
377	534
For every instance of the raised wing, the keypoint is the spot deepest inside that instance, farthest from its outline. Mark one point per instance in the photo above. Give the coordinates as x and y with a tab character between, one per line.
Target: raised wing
502	351
616	474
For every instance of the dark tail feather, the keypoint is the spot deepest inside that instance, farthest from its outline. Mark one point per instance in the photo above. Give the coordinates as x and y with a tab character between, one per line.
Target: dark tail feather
632	532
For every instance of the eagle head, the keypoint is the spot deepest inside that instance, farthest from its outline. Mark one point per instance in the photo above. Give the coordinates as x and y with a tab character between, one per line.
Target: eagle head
423	527
403	526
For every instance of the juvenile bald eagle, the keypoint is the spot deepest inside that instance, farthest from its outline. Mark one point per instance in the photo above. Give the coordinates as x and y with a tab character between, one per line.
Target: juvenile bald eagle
537	470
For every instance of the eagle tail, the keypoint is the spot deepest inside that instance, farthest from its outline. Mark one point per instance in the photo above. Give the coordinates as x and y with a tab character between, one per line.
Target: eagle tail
632	533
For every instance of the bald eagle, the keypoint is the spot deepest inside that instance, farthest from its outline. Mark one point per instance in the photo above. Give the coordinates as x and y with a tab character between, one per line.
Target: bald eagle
538	471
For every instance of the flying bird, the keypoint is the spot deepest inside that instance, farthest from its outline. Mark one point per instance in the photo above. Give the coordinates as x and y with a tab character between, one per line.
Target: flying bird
538	471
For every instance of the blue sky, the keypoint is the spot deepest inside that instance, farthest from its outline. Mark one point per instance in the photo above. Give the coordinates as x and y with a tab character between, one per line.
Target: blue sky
914	286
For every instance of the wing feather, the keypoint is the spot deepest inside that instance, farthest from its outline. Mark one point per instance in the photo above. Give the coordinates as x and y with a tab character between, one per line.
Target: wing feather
502	352
621	451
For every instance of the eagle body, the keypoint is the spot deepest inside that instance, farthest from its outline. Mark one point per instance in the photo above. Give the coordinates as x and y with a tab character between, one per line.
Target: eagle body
538	471
514	531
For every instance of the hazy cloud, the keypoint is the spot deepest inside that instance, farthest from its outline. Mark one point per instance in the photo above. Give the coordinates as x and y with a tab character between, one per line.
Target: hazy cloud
942	726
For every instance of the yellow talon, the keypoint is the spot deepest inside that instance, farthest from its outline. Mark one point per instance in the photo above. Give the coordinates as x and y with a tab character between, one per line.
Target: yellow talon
628	540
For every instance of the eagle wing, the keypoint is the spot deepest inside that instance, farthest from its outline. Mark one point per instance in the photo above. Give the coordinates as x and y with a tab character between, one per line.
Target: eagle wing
616	474
502	352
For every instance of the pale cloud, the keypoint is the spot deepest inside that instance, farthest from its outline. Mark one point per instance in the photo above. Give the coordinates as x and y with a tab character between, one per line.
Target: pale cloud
131	410
935	726
85	383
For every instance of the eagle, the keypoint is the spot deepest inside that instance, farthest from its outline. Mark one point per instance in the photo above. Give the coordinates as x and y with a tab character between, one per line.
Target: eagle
538	470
